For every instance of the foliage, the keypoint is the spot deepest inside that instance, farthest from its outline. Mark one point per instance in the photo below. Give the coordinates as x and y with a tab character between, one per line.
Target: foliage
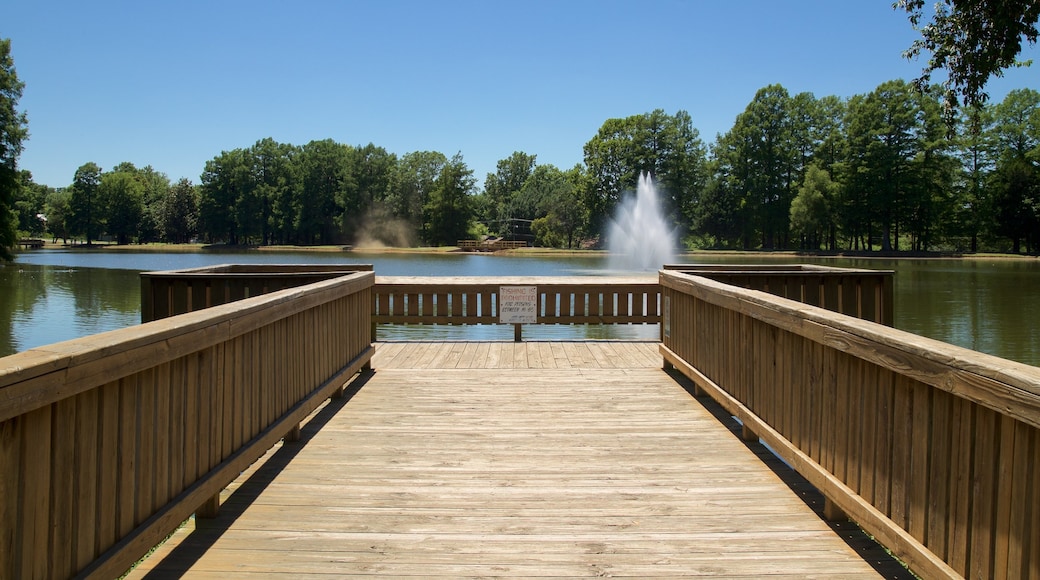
58	209
867	172
810	209
501	190
84	205
972	40
13	130
179	213
411	184
667	147
121	198
450	206
757	164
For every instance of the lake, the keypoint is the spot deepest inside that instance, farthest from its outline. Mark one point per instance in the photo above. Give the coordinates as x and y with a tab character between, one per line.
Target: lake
989	305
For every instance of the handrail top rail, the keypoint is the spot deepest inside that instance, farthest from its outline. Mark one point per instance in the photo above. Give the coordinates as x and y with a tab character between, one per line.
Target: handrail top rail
260	270
774	269
176	334
961	371
649	280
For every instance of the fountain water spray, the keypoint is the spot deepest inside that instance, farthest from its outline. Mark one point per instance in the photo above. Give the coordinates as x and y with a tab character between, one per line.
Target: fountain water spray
639	238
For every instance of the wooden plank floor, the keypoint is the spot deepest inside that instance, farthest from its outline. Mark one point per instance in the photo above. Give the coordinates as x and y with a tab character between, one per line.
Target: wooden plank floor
538	460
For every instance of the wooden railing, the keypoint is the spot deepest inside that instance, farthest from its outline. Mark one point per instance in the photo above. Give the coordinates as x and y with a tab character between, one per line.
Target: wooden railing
932	448
475	300
169	293
490	245
865	294
108	442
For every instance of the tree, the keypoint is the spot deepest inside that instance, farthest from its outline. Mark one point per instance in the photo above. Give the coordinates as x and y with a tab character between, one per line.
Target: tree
977	154
13	130
155	187
501	189
972	40
122	200
450	207
1015	186
84	205
30	205
758	164
810	209
411	185
324	175
559	210
1015	181
224	177
372	168
270	193
58	211
884	137
665	146
179	213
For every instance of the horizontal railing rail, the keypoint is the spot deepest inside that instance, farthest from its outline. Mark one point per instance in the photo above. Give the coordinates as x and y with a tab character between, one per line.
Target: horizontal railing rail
932	448
865	294
490	245
475	300
109	442
169	293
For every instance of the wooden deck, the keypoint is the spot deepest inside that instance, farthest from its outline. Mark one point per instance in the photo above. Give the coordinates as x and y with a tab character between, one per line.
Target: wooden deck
471	460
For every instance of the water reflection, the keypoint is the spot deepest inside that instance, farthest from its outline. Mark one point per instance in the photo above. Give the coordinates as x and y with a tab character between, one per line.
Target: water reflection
49	296
990	307
45	304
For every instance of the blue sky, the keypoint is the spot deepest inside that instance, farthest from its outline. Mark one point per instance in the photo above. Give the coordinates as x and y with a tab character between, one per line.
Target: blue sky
172	84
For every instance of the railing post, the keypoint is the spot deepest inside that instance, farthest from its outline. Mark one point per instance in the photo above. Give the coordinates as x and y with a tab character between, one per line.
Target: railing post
210	508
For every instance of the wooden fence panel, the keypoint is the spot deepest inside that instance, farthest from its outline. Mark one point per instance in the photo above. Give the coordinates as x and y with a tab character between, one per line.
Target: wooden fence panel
930	447
100	436
561	300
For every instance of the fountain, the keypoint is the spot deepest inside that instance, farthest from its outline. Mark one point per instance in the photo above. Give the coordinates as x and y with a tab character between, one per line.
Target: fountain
639	238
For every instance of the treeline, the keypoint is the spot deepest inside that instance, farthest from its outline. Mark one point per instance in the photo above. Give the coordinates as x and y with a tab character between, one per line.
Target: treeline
880	171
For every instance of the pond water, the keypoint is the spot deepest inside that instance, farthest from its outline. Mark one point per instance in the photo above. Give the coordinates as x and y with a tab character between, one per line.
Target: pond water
47	296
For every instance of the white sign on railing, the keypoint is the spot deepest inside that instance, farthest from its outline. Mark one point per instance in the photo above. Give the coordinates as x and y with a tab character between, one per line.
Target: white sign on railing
518	304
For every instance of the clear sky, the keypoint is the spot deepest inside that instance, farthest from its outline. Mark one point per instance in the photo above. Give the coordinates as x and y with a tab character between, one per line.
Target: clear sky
172	84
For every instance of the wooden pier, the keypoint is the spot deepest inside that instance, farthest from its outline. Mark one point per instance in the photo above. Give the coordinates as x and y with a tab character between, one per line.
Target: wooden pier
268	412
562	459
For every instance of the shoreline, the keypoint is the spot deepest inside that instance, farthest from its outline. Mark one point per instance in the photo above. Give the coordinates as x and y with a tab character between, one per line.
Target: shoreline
532	252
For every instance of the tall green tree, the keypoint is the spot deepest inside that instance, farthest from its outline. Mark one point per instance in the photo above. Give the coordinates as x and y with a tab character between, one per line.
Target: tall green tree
1015	181
372	168
411	186
271	192
30	205
560	214
85	207
122	200
224	180
501	189
324	177
977	152
450	208
58	211
810	209
14	128
884	137
179	213
155	187
1015	196
665	146
758	164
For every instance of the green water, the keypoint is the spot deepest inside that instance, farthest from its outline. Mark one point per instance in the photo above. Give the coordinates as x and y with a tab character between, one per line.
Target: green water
992	306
